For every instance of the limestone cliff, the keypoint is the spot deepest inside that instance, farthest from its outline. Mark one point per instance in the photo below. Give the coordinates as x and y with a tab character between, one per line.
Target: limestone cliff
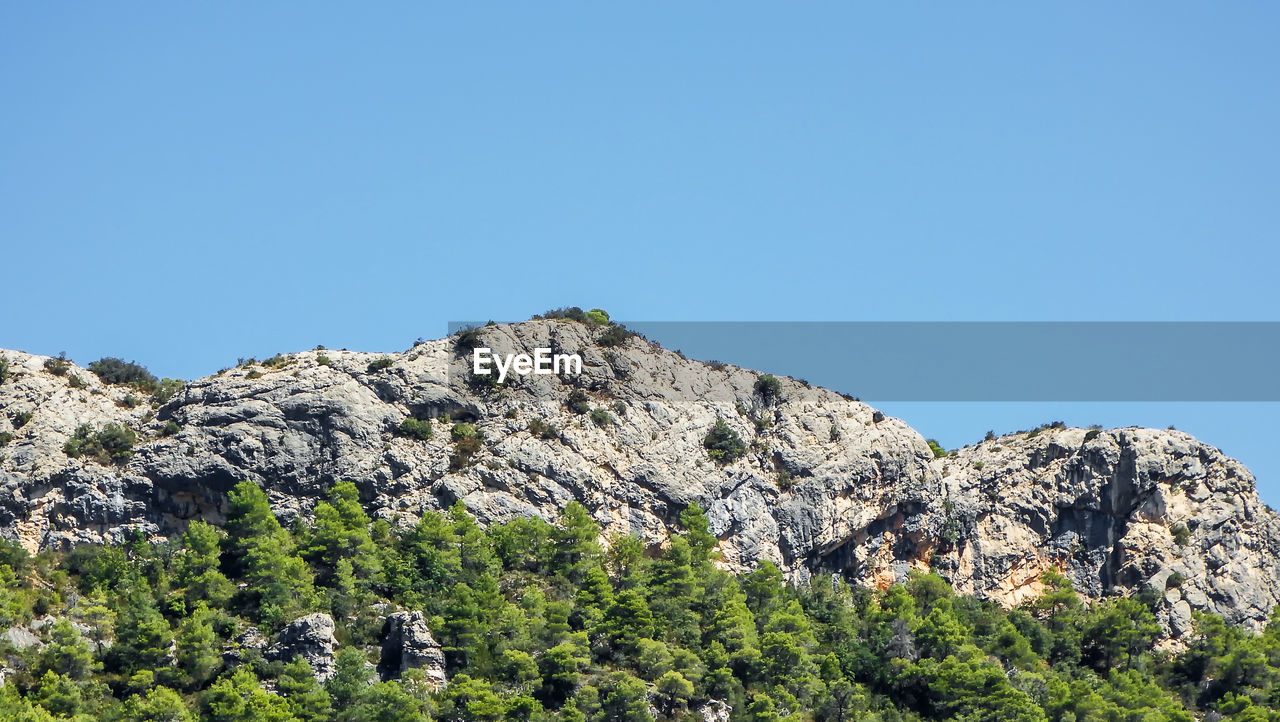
825	483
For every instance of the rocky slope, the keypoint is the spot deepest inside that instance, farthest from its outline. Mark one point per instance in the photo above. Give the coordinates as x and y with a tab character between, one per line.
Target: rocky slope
826	483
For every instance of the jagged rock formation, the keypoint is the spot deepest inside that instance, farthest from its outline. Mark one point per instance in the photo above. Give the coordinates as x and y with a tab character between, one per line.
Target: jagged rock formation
407	644
825	483
310	637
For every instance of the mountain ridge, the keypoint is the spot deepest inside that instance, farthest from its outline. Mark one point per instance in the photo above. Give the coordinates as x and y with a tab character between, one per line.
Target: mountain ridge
824	482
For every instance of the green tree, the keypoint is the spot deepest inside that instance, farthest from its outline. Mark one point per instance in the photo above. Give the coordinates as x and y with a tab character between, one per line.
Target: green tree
280	585
308	701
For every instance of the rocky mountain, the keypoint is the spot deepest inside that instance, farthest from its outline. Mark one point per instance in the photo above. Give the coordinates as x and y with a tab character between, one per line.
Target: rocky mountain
819	481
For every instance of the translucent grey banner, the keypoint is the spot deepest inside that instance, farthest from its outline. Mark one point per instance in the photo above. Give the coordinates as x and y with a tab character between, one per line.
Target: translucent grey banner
998	361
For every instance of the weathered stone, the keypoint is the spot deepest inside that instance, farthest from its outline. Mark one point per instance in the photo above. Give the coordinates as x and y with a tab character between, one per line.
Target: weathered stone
407	644
862	494
311	638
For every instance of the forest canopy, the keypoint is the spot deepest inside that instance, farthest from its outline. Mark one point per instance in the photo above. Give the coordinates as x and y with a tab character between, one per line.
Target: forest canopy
540	621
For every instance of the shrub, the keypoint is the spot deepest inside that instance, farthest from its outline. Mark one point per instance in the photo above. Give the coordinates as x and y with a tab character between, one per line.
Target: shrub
277	361
572	313
834	435
5	438
601	417
166	390
253	374
76	381
990	436
58	366
117	371
419	429
4	369
615	335
542	429
977	465
463	430
597	316
323	360
723	443
112	443
1092	433
1175	580
467	340
466	444
129	402
578	402
769	388
761	424
717	365
785	480
936	448
21	419
619	407
381	364
170	428
1181	534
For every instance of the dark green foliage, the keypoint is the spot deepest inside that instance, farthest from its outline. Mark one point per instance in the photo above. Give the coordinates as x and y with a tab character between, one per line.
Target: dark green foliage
170	428
118	371
1181	535
76	381
768	387
112	443
615	335
5	438
723	443
419	429
571	313
322	360
58	366
278	361
578	401
540	622
601	417
380	364
542	429
467	442
467	340
4	369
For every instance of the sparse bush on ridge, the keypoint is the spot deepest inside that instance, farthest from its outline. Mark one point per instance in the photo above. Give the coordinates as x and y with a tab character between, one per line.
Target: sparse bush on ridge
936	448
381	364
769	388
58	366
119	372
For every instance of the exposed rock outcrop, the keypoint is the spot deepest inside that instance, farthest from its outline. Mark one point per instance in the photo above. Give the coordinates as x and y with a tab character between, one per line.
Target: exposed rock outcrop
824	483
407	644
310	637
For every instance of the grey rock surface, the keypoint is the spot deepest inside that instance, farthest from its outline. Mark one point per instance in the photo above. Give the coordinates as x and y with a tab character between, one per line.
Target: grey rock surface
407	644
826	483
310	637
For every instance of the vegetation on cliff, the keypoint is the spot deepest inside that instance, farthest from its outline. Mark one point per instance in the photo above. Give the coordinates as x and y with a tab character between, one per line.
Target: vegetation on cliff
540	621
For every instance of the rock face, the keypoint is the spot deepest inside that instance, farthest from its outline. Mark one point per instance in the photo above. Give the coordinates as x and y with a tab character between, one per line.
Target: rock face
407	644
310	637
825	483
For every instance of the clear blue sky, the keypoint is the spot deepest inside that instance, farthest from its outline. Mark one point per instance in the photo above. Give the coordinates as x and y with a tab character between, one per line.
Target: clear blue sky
185	185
